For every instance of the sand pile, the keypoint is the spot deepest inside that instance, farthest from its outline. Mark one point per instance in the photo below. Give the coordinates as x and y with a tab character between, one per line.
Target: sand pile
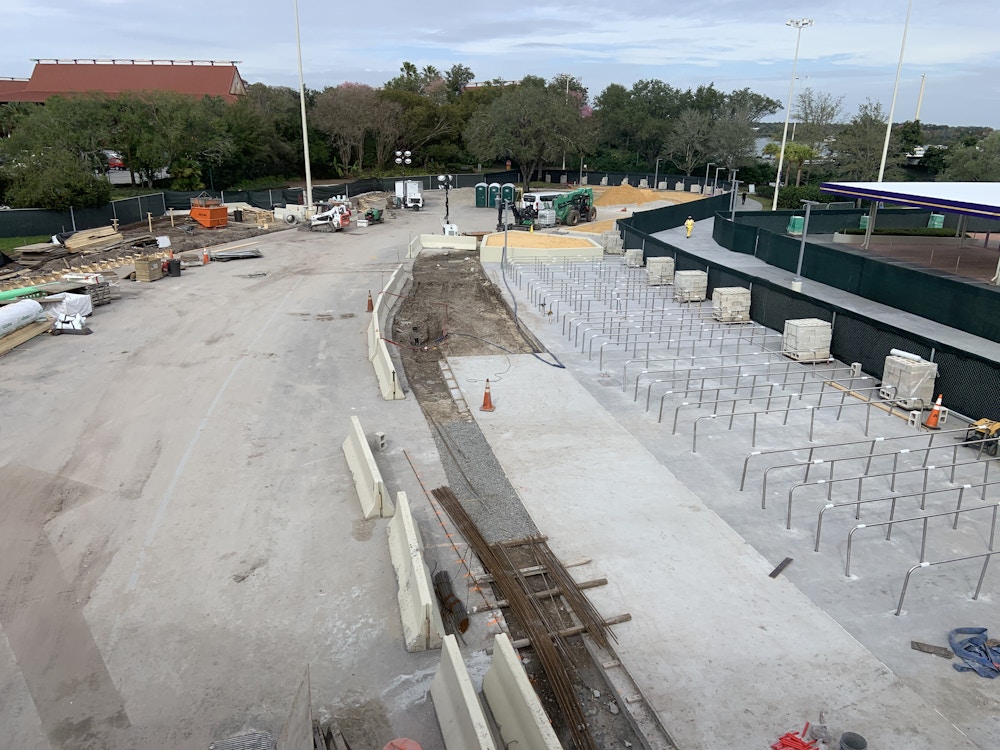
536	239
623	195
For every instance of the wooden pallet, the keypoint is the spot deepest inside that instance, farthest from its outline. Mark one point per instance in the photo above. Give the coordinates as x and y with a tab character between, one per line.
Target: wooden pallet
22	335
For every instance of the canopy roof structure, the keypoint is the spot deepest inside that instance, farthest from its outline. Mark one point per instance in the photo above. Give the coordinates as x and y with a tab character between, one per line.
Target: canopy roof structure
968	198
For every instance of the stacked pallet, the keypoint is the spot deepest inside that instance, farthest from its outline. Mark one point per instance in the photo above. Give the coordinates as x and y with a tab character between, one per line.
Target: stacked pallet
612	242
807	340
909	382
148	268
690	286
660	271
94	240
731	304
633	258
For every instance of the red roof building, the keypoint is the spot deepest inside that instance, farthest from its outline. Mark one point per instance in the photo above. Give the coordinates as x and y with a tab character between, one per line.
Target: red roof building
195	78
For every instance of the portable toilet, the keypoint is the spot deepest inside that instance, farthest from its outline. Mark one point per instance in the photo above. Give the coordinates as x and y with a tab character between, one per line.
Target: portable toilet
795	225
936	221
482	194
507	192
493	195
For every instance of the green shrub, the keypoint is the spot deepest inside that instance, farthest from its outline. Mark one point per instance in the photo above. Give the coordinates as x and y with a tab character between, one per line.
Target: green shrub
904	231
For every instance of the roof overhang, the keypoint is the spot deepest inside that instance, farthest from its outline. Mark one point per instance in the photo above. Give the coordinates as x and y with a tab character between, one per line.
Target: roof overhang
969	198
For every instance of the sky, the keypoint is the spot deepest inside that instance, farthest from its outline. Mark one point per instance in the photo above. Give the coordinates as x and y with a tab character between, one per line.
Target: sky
852	50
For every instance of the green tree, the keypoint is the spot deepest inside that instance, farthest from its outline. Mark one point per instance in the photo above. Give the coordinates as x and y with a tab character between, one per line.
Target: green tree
978	163
56	180
795	153
816	114
858	147
688	140
529	124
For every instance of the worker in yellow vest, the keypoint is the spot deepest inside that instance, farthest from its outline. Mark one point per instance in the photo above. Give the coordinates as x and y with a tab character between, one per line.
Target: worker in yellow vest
689	225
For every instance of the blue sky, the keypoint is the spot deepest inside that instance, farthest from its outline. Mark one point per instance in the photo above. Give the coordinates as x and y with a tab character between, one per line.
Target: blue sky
852	50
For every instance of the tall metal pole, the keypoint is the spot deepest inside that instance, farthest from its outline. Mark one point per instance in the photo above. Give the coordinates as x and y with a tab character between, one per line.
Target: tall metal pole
715	185
656	172
798	24
302	105
707	167
920	97
895	90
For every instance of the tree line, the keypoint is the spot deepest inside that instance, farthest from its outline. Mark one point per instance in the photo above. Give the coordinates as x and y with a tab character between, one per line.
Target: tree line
56	155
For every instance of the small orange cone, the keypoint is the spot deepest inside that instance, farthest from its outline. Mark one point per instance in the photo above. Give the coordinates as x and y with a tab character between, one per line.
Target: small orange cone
371	305
204	256
487	398
932	420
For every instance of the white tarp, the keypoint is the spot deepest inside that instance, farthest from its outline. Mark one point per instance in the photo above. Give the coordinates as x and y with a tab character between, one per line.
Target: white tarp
67	306
18	315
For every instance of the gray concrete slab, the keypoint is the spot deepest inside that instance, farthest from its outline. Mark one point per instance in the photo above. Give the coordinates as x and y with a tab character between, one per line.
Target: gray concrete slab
180	535
585	455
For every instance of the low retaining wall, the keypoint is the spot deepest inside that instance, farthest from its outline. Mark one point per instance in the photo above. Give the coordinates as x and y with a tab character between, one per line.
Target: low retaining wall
518	712
422	625
440	242
378	352
368	482
493	254
459	713
899	239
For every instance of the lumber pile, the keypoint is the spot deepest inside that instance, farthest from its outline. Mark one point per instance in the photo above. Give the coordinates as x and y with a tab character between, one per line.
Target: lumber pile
94	240
37	254
23	335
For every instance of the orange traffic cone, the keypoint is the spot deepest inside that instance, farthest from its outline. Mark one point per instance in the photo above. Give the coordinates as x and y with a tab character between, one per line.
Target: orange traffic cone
204	256
487	399
932	420
371	305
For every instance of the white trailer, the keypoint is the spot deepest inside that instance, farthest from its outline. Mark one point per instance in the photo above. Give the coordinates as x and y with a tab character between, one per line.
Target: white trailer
408	194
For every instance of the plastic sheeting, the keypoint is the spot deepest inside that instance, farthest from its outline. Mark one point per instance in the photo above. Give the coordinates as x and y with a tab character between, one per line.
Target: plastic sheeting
67	306
18	315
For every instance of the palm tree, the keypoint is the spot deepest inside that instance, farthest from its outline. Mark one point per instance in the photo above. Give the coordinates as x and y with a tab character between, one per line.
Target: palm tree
795	153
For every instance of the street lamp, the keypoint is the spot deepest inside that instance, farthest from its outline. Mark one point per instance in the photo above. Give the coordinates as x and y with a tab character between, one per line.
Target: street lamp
707	167
302	106
656	172
798	24
797	281
582	167
715	185
445	180
895	90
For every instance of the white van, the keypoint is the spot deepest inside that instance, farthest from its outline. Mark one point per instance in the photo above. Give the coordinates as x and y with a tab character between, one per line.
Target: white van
536	200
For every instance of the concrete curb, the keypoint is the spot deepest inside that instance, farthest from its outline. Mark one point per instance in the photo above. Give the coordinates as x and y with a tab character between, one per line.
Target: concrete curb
422	625
518	712
378	353
368	482
460	715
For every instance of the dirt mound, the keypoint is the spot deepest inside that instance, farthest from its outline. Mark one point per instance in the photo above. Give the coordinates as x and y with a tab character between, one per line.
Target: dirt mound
623	195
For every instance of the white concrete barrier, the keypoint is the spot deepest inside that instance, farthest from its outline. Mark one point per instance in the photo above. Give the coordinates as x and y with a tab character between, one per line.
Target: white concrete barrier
459	713
515	705
440	242
368	482
378	353
422	625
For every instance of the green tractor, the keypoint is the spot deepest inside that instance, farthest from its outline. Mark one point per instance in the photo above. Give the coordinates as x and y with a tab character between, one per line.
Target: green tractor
575	206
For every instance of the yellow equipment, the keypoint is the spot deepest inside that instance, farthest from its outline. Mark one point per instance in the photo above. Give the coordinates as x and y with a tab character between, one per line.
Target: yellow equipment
986	430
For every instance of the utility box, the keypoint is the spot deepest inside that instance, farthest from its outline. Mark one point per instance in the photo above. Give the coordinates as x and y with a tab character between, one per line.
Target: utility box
807	340
408	194
731	304
935	221
690	286
660	271
795	225
909	382
482	195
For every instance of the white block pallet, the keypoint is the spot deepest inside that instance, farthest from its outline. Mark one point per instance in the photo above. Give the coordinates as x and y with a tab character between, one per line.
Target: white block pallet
807	340
731	304
633	258
910	382
659	271
690	286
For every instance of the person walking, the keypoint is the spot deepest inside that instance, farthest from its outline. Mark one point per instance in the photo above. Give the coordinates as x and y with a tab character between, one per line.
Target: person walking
689	225
743	197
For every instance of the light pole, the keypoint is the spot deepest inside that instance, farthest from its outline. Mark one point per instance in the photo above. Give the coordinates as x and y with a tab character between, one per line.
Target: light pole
445	181
895	90
707	167
732	201
302	106
798	24
715	185
403	159
582	167
656	172
797	281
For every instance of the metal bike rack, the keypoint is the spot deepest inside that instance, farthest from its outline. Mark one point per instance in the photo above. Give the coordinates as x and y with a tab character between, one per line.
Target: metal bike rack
979	586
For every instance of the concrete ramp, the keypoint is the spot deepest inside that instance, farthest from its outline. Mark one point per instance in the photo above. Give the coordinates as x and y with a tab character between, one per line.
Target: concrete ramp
460	715
422	625
374	497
